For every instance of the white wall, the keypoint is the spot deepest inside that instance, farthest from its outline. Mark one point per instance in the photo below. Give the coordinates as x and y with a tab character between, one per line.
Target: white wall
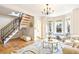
4	20
75	22
43	27
37	27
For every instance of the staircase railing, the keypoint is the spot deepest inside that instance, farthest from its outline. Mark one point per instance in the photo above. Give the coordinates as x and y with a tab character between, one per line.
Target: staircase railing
8	29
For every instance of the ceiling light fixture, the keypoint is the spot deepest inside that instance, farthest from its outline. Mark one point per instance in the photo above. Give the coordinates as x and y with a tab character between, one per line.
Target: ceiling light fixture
47	10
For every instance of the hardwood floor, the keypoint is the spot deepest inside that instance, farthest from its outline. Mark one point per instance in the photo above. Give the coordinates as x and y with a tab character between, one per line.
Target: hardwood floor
13	45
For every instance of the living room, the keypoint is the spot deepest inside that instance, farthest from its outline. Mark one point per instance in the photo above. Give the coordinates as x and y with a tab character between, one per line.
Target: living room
33	31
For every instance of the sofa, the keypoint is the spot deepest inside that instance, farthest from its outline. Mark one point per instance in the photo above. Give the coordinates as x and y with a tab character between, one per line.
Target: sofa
70	50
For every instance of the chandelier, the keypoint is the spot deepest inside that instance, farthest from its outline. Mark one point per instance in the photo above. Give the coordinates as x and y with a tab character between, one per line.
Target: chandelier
47	10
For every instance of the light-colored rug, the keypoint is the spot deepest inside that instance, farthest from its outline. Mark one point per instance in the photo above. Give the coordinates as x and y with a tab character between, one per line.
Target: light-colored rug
36	48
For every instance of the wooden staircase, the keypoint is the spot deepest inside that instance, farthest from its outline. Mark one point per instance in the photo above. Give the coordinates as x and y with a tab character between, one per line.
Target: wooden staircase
26	21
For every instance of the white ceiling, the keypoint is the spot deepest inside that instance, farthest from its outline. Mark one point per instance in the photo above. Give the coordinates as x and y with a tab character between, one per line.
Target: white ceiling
59	9
4	10
35	9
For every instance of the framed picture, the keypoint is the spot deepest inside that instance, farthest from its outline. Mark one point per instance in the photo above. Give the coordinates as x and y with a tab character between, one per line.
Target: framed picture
58	27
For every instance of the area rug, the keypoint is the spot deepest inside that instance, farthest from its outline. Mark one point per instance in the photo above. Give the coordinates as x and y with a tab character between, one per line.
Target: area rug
35	48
